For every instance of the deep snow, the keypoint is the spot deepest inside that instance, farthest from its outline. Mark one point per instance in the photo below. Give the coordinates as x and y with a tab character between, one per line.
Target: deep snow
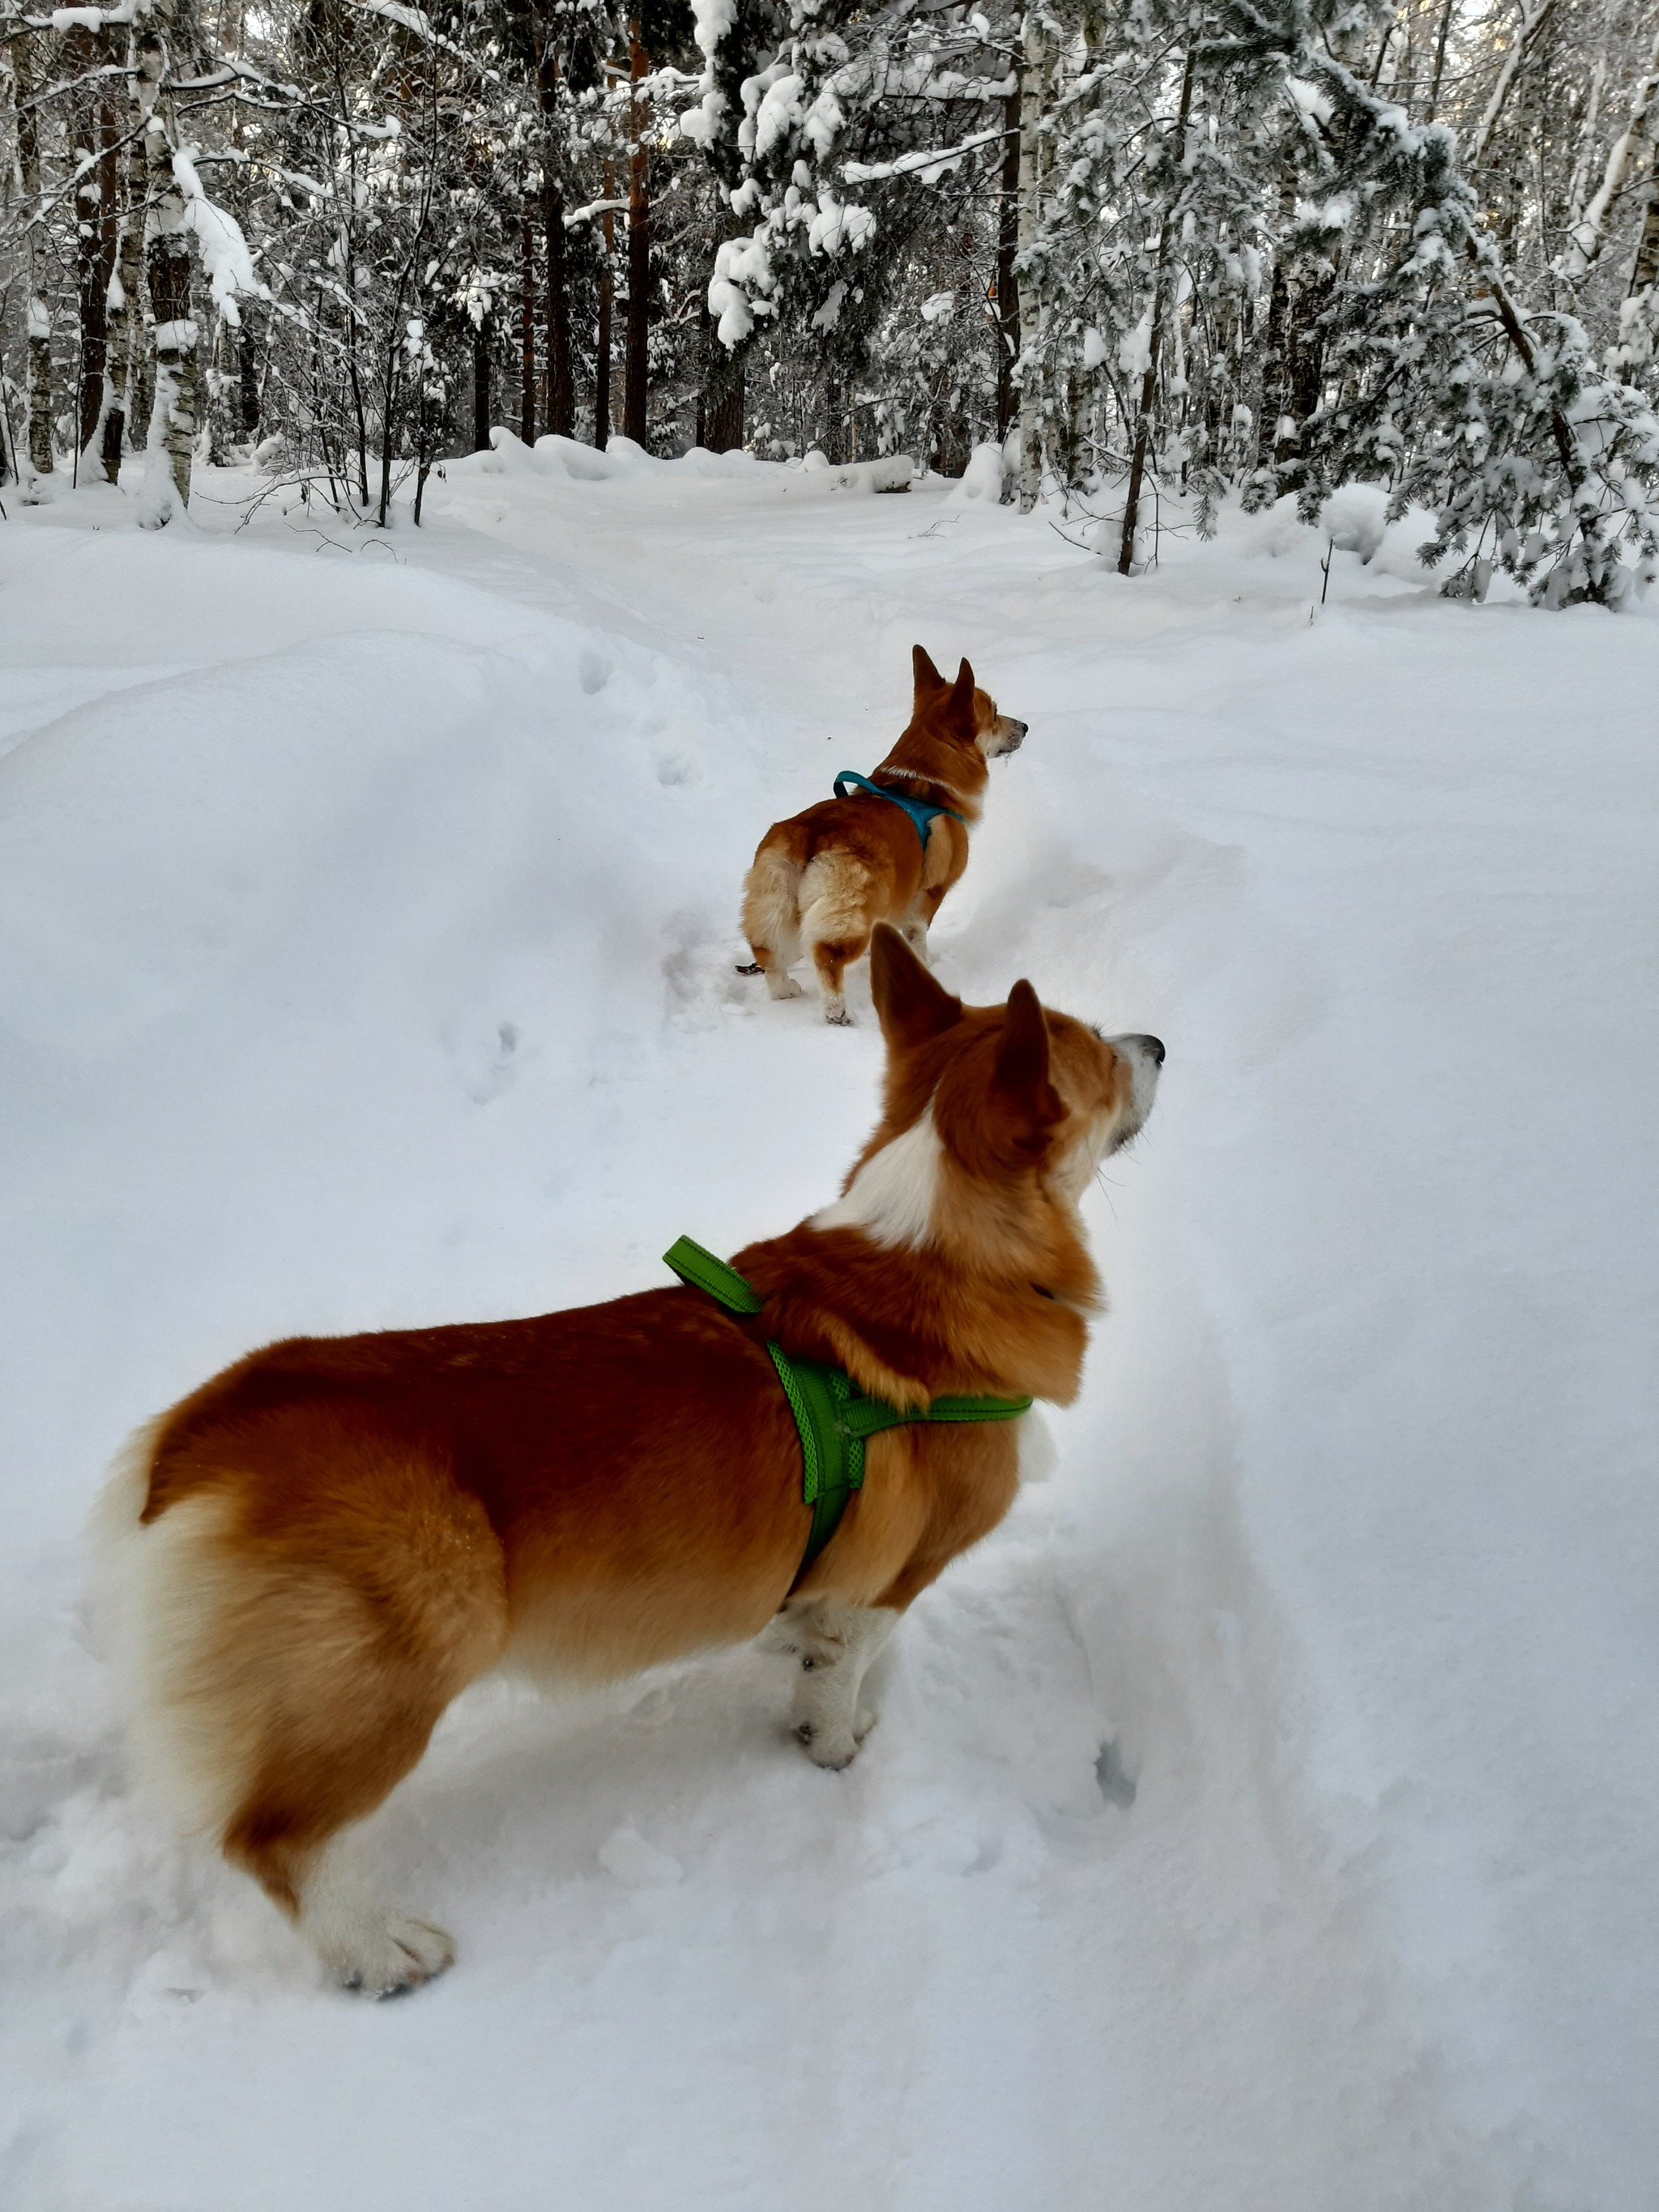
1264	1819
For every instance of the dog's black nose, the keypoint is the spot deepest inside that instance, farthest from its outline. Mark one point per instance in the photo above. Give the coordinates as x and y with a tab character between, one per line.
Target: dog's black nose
1153	1045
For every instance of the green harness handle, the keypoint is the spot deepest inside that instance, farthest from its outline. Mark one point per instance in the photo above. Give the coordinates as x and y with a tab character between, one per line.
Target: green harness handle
832	1416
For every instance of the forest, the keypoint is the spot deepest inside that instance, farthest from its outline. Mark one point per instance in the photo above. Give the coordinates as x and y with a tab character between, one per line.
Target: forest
1167	253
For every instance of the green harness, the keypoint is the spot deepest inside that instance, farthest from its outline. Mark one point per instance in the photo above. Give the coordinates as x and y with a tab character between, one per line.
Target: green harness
832	1414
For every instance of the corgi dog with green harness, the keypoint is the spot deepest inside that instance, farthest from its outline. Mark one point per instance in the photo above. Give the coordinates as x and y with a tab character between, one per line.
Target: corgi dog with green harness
886	847
309	1556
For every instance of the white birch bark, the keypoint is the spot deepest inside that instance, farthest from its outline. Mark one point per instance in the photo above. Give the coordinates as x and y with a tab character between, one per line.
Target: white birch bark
1588	236
125	314
1579	185
1644	272
36	466
1532	21
168	267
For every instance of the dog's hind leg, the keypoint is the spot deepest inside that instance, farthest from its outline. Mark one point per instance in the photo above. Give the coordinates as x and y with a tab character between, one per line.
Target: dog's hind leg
914	930
834	923
832	956
771	919
299	1649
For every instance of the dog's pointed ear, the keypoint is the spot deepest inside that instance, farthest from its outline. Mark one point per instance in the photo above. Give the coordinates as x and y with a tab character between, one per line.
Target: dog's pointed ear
959	706
912	1007
1022	1069
928	678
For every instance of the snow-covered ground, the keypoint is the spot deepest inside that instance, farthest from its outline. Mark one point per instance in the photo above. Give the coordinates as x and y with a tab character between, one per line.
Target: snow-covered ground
1265	1820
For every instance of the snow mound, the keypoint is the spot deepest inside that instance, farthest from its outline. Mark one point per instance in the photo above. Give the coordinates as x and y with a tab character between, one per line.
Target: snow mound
1354	518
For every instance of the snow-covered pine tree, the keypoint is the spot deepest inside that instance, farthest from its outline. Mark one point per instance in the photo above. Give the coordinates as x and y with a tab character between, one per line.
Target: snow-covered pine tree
835	127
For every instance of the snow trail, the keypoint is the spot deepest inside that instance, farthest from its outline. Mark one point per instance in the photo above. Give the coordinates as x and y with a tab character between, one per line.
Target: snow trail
1263	1817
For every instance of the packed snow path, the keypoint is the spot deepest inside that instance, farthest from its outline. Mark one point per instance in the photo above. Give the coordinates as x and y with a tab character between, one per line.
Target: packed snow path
1264	1819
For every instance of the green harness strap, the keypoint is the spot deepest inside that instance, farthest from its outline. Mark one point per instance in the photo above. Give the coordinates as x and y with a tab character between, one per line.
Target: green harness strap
832	1416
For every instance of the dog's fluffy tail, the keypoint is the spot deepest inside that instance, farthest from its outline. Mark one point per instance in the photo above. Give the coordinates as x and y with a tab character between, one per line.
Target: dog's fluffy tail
771	899
156	1604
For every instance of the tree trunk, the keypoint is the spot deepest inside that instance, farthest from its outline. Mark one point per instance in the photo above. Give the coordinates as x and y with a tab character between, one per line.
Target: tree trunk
1519	46
722	402
98	230
560	389
224	393
1030	224
1579	184
560	379
602	351
1008	322
167	268
1645	272
122	417
1588	237
37	321
141	388
247	372
1439	58
481	409
635	383
1147	415
527	323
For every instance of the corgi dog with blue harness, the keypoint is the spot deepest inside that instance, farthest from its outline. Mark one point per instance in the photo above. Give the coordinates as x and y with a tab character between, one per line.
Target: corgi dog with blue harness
886	847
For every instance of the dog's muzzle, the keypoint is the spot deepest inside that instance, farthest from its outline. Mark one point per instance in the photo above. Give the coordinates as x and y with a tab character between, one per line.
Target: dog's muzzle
1143	1057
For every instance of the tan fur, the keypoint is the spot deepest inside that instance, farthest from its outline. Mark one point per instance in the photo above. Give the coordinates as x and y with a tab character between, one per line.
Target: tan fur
822	880
315	1551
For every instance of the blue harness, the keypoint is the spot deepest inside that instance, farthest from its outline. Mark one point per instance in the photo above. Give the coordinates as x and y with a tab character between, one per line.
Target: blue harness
918	808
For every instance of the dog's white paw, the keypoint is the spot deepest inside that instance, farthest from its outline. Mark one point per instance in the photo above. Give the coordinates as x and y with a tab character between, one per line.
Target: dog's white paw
382	1954
831	1748
839	1016
782	987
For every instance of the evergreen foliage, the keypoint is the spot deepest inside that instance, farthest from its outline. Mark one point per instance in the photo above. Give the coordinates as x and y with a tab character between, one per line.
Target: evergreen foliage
1204	248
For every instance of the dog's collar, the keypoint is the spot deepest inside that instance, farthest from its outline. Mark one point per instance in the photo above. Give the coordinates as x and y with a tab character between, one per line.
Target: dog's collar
921	811
832	1416
938	782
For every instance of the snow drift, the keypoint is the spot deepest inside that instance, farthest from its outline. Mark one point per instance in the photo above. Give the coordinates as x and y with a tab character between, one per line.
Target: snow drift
1264	1817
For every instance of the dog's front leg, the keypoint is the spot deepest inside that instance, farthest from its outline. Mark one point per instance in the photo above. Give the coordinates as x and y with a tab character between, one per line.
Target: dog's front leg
833	1645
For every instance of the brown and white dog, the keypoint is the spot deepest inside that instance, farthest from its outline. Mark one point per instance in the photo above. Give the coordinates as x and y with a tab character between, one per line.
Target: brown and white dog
315	1551
823	879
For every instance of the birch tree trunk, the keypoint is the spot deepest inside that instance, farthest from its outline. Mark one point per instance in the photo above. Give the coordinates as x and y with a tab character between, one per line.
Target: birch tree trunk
168	266
37	320
126	324
1579	184
1588	237
1532	21
1645	273
1034	48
